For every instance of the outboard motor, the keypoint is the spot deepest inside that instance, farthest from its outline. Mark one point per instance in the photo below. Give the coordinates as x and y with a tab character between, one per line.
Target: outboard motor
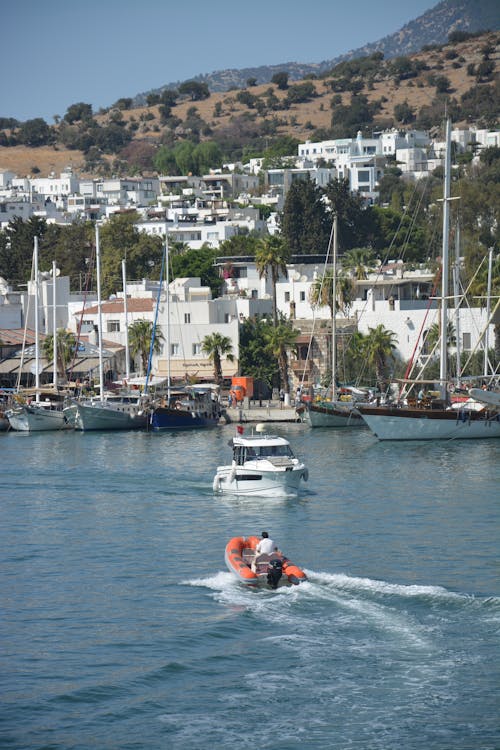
274	573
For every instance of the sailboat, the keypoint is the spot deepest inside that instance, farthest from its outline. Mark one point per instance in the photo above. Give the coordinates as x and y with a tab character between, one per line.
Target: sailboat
108	411
437	419
191	406
42	414
337	412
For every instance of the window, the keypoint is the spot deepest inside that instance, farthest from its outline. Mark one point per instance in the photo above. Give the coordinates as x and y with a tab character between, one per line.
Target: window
466	342
302	296
287	296
227	317
113	326
196	350
174	350
187	317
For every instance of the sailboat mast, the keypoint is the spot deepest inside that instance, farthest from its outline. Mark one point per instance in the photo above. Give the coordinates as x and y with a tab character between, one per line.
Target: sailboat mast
167	283
54	323
37	343
443	369
488	312
456	289
99	311
125	309
334	303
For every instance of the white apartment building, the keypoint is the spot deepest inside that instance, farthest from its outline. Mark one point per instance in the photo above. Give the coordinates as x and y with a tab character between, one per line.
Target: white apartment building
56	188
278	181
193	315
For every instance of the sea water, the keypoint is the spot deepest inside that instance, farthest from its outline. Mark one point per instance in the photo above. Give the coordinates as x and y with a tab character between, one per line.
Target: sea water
120	626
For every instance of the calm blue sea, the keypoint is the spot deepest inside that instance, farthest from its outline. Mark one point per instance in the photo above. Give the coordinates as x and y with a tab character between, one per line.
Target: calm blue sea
121	628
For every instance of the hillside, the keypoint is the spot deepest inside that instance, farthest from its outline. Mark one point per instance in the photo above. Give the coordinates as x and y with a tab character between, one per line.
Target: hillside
432	27
255	116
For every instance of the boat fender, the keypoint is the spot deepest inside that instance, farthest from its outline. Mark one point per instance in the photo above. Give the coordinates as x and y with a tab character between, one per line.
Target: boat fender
216	483
232	475
305	475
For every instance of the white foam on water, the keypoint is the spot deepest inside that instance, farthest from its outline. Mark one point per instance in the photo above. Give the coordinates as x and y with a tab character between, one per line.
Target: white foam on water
351	583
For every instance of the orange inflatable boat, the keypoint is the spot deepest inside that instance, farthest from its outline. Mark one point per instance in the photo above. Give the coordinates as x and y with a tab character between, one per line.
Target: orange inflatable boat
260	570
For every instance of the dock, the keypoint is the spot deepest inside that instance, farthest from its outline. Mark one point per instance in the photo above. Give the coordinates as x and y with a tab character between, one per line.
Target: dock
272	411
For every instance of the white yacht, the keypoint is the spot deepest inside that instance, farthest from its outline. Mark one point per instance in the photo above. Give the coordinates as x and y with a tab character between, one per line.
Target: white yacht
262	464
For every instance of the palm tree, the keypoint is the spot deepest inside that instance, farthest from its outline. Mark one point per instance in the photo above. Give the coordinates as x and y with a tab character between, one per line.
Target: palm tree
279	339
433	335
271	258
216	346
358	260
321	292
378	348
65	345
140	334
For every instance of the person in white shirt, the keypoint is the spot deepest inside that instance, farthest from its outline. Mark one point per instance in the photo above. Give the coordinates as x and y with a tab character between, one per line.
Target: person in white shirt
266	545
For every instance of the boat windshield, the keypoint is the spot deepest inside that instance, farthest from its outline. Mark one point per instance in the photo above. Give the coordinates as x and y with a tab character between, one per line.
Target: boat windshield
271	450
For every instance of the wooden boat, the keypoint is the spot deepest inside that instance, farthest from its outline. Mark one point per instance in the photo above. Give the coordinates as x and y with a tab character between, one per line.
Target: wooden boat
262	570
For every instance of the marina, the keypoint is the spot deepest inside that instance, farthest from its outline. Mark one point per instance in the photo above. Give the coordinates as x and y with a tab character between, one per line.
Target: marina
123	627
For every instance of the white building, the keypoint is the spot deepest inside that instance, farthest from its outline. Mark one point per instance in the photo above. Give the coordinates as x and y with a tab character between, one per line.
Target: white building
193	315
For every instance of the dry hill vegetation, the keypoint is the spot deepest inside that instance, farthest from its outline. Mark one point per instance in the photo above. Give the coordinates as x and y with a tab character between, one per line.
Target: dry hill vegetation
366	94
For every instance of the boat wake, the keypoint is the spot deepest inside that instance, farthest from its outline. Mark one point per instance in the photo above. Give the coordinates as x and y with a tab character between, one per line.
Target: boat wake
378	601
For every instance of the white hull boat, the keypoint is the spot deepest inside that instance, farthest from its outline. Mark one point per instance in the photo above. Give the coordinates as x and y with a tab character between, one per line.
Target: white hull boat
394	423
110	414
262	465
37	418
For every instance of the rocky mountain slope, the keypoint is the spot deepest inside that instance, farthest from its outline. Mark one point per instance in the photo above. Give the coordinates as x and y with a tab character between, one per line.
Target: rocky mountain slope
432	27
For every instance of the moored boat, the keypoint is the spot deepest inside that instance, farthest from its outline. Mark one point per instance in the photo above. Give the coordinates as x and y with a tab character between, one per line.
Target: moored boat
37	417
262	464
273	570
191	407
113	412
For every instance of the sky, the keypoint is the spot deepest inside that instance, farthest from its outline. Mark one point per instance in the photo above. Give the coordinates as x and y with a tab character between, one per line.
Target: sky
56	53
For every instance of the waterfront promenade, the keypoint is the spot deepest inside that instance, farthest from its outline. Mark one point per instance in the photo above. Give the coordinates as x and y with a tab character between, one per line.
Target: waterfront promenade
270	411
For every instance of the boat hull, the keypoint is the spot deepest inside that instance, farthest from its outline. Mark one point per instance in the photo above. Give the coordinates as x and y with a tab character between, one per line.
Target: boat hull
242	480
164	418
86	417
234	556
331	414
37	419
392	423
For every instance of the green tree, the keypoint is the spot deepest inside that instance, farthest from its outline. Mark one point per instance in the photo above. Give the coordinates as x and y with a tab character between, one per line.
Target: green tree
305	226
120	239
65	349
358	260
279	339
321	292
379	346
281	80
16	248
270	259
197	263
78	112
140	334
35	133
195	90
216	346
255	358
354	219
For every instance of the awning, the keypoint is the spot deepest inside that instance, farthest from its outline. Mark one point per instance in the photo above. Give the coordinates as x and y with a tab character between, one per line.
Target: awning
204	370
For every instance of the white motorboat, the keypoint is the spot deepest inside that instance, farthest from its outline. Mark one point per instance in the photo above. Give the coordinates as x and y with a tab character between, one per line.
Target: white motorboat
262	464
